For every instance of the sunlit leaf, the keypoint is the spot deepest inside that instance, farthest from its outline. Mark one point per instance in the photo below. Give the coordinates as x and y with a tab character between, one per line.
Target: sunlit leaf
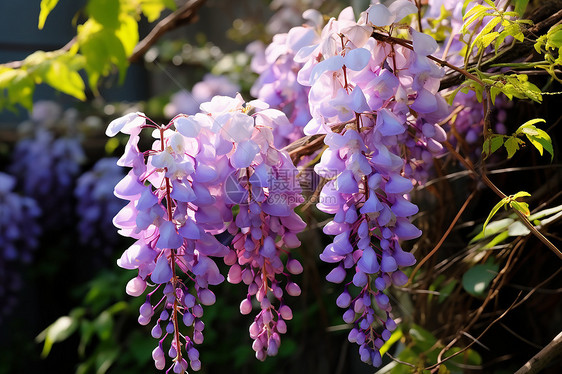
520	207
512	146
396	336
105	12
46	7
19	87
153	8
492	229
494	210
518	229
61	329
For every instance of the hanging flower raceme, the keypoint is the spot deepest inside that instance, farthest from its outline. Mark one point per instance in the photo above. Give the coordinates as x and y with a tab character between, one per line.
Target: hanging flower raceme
181	193
378	105
19	237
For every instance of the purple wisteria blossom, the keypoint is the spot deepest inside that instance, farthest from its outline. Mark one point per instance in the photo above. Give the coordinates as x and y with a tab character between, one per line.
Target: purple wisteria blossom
181	194
379	107
19	237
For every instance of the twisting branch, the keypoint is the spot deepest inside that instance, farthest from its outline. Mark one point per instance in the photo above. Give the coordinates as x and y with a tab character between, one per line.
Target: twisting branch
187	13
544	357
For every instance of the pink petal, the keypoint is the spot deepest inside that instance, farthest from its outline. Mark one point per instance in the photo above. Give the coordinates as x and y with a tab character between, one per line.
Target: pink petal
187	126
330	64
402	8
357	59
379	15
244	154
423	44
425	102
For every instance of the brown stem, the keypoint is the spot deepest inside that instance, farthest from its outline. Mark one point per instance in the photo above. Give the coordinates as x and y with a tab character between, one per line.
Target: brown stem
451	226
406	44
484	178
544	357
172	258
187	13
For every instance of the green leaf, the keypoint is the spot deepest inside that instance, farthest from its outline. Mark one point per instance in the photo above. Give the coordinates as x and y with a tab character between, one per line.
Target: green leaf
103	325
520	194
423	339
496	240
102	50
520	6
520	207
555	38
493	228
477	10
153	8
446	290
18	86
542	140
492	144
499	40
62	78
545	212
60	330
512	145
477	279
528	127
105	12
394	337
485	37
495	209
46	7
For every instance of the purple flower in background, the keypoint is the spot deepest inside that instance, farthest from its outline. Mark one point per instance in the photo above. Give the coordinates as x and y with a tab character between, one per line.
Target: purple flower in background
96	205
19	234
188	102
48	160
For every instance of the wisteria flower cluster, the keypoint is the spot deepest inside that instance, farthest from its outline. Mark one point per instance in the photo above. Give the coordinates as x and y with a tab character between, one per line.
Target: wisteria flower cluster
187	102
96	204
47	161
182	193
19	236
277	82
378	105
220	171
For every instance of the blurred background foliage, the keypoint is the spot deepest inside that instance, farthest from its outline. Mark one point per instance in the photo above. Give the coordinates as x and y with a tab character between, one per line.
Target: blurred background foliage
71	313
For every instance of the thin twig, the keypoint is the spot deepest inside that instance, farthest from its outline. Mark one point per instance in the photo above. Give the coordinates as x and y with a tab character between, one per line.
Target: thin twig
185	14
484	178
451	226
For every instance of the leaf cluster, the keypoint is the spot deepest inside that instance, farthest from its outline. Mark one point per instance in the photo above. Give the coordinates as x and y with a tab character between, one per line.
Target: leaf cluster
103	42
538	138
500	25
550	45
420	348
